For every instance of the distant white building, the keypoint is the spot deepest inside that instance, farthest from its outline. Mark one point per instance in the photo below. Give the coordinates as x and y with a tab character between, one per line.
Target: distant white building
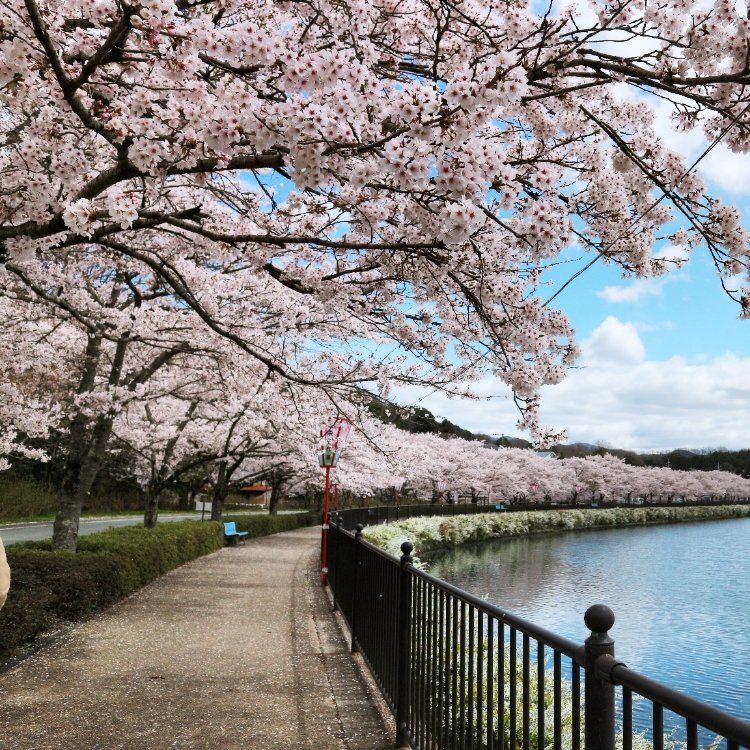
547	454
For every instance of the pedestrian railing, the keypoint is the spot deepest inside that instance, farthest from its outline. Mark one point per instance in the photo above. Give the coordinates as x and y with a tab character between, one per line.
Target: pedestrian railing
460	673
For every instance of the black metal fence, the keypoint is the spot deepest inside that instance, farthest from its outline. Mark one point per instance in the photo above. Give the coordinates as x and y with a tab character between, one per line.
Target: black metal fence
378	514
459	673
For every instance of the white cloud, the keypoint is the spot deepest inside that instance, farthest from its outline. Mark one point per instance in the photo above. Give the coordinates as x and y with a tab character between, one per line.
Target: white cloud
645	405
728	170
676	253
654	405
633	292
613	342
722	167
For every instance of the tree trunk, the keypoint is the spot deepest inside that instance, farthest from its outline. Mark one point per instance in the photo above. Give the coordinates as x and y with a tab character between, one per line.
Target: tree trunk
220	492
72	494
273	503
86	451
81	469
187	499
65	528
151	512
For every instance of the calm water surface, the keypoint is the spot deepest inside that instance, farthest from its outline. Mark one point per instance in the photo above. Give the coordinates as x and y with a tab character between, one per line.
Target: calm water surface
680	594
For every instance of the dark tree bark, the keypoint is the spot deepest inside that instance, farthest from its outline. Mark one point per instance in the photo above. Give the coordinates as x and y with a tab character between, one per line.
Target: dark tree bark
273	504
79	469
162	480
151	511
220	491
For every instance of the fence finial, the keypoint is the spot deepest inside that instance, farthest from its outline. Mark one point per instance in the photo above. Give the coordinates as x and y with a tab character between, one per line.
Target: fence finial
599	618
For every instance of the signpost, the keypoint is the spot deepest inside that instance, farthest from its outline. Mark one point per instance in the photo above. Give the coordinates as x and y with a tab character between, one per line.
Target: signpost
332	442
441	487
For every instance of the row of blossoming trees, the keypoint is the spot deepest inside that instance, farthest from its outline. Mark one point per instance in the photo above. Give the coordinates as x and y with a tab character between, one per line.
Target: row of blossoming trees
218	216
423	468
174	409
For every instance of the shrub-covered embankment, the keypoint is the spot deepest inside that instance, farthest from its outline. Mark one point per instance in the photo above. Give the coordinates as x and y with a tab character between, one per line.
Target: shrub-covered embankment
436	532
50	589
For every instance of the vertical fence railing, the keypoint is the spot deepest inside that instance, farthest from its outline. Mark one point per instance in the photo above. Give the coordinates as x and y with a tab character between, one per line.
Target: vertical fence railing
375	613
342	569
459	673
480	678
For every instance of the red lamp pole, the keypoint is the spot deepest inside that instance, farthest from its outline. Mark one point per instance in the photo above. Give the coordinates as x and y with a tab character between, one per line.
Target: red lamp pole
333	441
324	541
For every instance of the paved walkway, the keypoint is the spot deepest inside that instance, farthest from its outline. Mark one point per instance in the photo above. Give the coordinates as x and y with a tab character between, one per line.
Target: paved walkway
238	649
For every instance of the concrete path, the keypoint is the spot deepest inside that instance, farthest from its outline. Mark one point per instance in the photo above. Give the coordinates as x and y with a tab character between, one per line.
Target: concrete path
238	649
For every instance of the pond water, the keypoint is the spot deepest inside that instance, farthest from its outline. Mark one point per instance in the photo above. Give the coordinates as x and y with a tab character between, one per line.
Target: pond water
680	594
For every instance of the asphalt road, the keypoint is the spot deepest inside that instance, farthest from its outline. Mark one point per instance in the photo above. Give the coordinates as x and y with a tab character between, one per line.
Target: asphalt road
25	532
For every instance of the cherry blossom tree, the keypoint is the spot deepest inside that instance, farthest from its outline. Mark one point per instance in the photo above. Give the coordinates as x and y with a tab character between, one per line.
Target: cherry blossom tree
29	342
155	437
401	172
105	337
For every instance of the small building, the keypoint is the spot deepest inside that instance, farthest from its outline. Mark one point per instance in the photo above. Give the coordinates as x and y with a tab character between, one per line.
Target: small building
255	494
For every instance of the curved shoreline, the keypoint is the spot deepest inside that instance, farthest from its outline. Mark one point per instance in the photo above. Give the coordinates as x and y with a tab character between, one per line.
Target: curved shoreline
431	532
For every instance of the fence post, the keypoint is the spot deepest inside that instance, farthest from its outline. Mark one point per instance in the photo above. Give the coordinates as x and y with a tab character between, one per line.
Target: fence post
357	540
333	543
404	648
599	704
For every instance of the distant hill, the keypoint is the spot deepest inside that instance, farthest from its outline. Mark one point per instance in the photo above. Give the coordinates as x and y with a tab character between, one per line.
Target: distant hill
680	459
418	419
737	462
421	420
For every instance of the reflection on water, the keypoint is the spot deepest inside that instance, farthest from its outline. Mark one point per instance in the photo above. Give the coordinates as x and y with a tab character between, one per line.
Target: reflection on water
680	594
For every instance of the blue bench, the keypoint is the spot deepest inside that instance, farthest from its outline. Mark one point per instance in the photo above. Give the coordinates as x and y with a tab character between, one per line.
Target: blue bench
232	535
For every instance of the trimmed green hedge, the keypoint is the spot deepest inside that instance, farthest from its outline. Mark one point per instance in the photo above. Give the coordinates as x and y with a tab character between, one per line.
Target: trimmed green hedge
50	589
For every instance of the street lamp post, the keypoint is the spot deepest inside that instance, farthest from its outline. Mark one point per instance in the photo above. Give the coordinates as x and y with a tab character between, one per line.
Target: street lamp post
332	442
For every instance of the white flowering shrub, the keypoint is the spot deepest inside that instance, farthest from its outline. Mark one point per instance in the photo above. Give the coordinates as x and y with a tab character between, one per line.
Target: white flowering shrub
435	532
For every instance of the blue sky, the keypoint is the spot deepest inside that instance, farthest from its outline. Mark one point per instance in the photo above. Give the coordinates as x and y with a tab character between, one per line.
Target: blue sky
685	313
665	364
